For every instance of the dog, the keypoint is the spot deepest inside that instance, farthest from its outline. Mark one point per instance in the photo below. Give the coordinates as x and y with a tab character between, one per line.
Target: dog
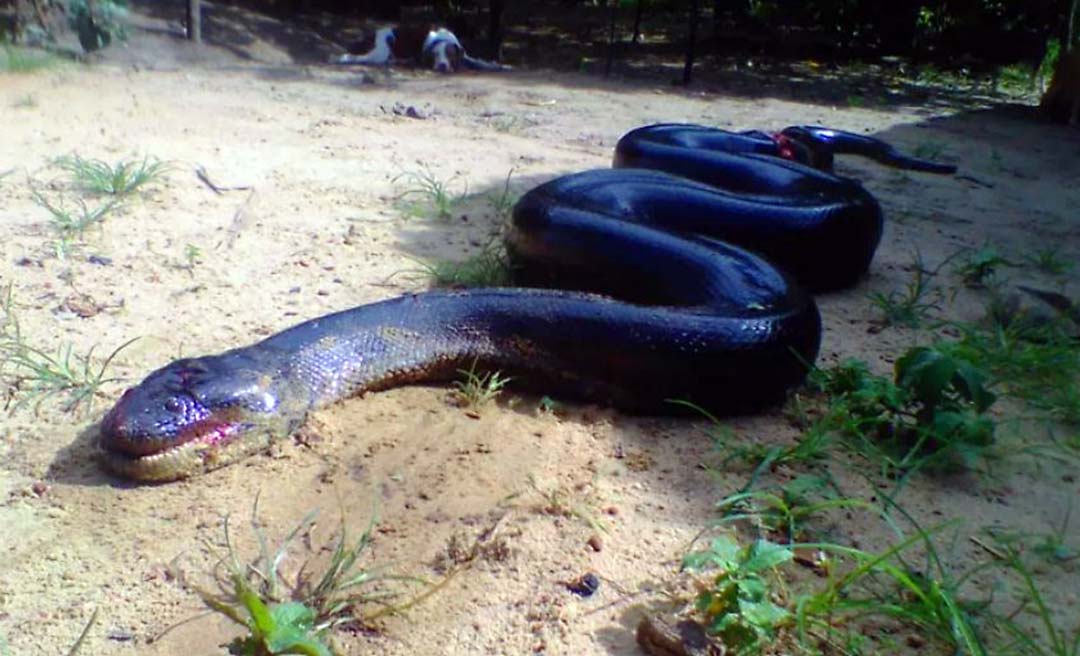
438	48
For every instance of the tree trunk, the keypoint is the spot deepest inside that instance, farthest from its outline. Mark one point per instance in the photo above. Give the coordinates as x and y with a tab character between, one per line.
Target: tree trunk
495	31
1061	102
194	20
613	10
1070	26
691	42
637	21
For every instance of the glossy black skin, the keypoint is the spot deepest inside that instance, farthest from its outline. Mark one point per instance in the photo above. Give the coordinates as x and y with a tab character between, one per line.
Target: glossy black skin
810	145
687	314
822	228
698	320
820	144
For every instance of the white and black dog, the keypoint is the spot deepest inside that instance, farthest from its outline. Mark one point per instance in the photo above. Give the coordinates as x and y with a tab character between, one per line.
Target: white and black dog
437	47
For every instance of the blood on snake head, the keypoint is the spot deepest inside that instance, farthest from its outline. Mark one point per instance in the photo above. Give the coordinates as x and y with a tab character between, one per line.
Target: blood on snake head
193	409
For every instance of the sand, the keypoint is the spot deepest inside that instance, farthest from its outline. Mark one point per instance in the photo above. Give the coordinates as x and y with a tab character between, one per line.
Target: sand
317	227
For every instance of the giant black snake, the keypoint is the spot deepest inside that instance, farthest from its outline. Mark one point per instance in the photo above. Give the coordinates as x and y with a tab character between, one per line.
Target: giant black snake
666	305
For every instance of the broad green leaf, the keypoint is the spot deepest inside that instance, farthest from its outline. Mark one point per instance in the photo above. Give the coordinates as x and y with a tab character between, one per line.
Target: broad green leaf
927	373
764	614
295	642
293	614
766	555
751	588
970	382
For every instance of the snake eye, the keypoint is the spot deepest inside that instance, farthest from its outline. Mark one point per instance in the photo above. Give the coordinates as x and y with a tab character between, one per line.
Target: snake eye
173	405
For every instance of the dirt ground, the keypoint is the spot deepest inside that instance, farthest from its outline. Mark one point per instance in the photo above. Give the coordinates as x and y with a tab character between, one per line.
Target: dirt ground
320	230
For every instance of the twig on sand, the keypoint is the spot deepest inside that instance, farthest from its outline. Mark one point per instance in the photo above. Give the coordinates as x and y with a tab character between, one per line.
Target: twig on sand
217	189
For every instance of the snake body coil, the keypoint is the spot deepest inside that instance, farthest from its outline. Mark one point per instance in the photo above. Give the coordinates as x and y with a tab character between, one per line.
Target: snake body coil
666	306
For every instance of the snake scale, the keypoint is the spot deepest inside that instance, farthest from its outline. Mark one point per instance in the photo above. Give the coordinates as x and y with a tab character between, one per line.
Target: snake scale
683	272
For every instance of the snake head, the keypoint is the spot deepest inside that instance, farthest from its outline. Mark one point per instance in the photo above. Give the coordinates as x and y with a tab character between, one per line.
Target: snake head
192	415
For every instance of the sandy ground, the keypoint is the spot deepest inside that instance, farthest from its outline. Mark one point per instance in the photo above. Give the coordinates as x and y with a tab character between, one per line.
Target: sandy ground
319	231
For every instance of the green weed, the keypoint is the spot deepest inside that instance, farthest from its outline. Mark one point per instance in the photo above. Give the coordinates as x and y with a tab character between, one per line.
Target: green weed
193	256
1049	260
479	389
563	502
295	612
548	406
1054	640
70	225
14	59
883	585
813	446
1037	364
32	375
121	179
912	306
738	604
784	512
488	268
979	267
749	607
931	413
425	193
502	203
1051	547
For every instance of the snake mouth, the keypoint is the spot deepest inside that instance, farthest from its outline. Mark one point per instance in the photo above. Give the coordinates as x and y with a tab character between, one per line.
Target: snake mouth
199	447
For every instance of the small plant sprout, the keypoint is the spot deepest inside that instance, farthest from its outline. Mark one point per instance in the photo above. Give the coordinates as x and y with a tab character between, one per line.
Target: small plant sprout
737	604
979	268
786	512
478	389
1049	260
70	225
502	202
121	179
193	256
32	375
426	193
488	268
292	609
912	306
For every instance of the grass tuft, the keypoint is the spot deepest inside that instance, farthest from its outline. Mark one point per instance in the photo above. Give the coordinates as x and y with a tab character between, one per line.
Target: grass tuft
931	413
1037	364
502	202
1050	261
70	225
488	268
979	268
14	59
747	605
477	390
33	375
425	193
912	306
294	611
121	179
